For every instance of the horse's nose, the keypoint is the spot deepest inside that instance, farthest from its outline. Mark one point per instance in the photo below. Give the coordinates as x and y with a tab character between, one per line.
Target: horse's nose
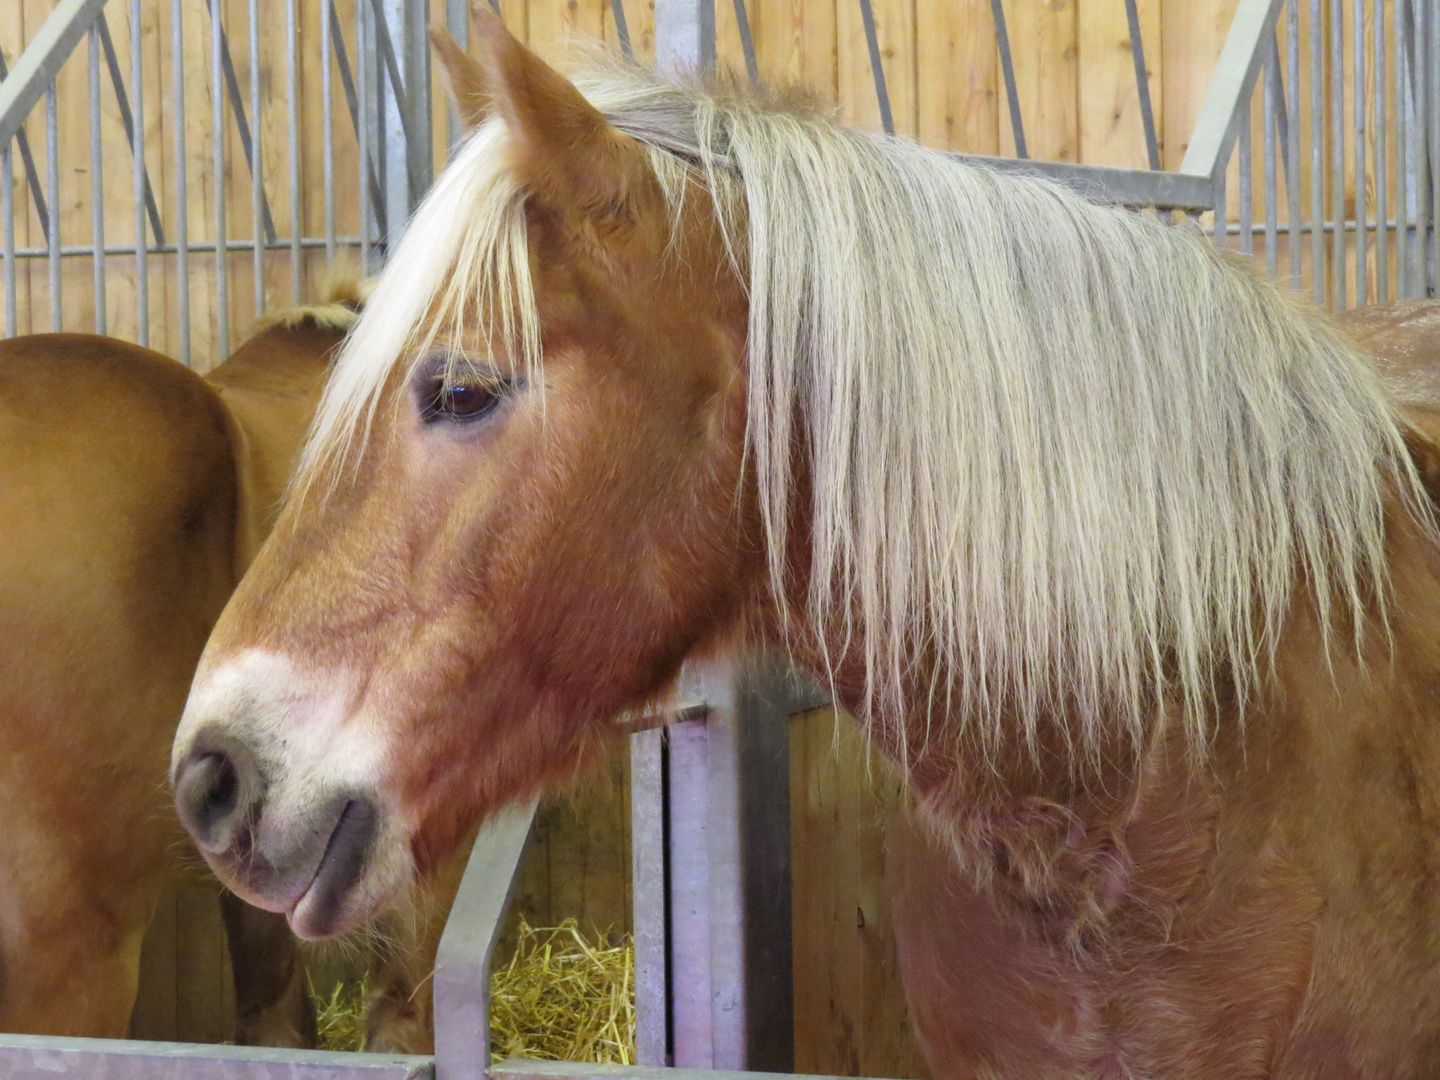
217	788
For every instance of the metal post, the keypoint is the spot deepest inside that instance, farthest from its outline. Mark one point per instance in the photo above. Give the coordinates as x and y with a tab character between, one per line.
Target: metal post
1402	156
1362	284
1337	152
1317	157
1382	196
52	176
1421	75
97	182
217	140
1247	191
361	117
685	35
7	230
1292	174
141	181
182	216
292	98
257	173
1432	53
462	963
1007	68
1272	255
327	106
650	889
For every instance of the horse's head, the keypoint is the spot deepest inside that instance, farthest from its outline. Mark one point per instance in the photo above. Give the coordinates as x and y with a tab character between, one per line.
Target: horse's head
521	509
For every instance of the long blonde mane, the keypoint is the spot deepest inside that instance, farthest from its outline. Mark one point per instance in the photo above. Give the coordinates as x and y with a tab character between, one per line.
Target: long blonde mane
1073	455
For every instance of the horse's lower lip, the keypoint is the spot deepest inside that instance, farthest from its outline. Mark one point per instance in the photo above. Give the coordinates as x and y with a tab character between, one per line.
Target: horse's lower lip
319	911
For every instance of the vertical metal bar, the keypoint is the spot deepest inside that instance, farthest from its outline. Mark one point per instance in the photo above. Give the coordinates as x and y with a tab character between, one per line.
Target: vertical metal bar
141	180
1382	195
877	69
97	183
1362	283
1402	153
457	21
1222	211
688	856
1337	152
7	232
1421	151
1247	186
123	102
622	30
1272	254
1317	153
182	207
32	174
52	165
1432	67
292	97
257	172
747	44
685	35
217	139
327	106
1007	67
1292	174
1142	83
352	99
359	112
650	876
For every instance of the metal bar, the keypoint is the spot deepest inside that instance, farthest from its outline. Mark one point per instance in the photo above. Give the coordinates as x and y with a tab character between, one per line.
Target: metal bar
457	21
1111	184
52	178
262	230
1317	147
7	236
1007	67
182	199
41	61
462	964
97	181
650	890
125	1059
1402	154
415	53
1142	84
1382	195
1222	208
32	174
1337	151
217	146
685	35
1433	85
1420	146
237	107
292	98
386	49
622	30
327	112
1247	192
1362	283
1271	119
747	43
1277	87
141	182
688	859
347	83
123	101
1292	171
1228	95
312	243
362	130
877	69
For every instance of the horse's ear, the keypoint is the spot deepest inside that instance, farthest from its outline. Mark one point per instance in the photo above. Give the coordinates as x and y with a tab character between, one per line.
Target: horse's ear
463	77
567	155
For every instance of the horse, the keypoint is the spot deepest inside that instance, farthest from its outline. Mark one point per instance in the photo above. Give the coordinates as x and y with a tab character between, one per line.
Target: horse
1118	552
125	526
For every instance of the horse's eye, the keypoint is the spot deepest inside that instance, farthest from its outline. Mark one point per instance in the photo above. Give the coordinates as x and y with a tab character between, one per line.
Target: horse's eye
453	399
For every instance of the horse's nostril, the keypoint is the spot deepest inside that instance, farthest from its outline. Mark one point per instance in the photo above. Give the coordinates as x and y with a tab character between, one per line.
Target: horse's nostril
214	794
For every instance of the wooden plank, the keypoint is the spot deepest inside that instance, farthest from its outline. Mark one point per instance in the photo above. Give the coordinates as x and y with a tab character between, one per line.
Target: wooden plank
205	990
1044	45
849	1004
957	71
1111	130
156	1014
895	31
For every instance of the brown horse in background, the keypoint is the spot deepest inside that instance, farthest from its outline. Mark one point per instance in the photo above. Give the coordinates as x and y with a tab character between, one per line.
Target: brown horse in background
133	493
1120	555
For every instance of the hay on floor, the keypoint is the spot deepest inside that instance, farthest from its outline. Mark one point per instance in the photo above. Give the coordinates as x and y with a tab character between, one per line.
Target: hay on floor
561	996
565	998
